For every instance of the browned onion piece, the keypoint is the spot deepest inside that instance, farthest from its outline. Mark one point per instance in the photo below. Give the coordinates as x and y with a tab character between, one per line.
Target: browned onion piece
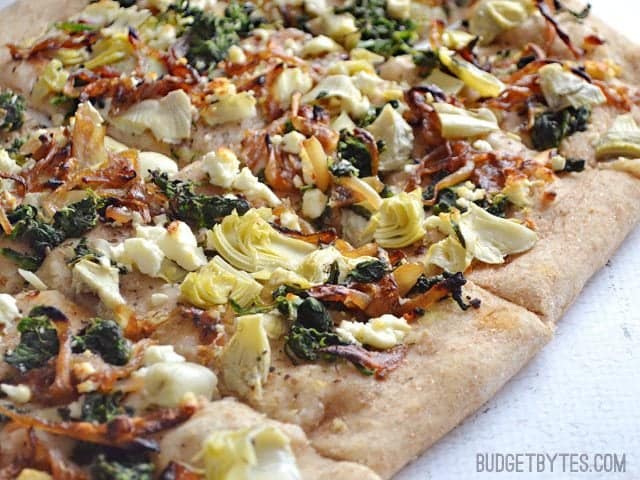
380	362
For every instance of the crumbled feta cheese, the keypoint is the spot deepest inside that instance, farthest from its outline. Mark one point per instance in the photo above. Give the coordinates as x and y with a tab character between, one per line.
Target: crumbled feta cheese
292	142
222	167
9	311
313	203
161	353
16	393
382	332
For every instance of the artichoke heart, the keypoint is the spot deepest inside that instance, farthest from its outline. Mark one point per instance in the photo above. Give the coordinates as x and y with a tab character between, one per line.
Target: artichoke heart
459	123
51	81
100	278
247	357
216	283
168	119
249	243
397	136
399	222
256	453
622	139
562	89
341	89
492	17
109	51
483	82
477	234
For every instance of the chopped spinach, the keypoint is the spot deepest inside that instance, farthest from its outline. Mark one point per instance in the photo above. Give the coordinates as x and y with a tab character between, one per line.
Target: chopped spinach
343	168
550	128
313	314
105	338
447	199
22	260
72	221
102	408
453	282
200	211
426	61
369	271
378	32
304	343
12	108
352	150
38	340
574	165
210	36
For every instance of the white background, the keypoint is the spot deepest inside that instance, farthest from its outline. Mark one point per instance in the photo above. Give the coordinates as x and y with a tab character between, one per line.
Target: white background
581	394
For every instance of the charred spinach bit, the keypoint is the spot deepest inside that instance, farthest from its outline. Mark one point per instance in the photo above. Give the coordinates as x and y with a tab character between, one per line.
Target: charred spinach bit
426	61
369	271
343	168
313	314
497	205
78	218
209	37
447	199
82	251
574	165
102	408
379	33
12	107
72	221
38	340
453	282
352	150
304	343
200	211
22	260
105	338
110	463
550	128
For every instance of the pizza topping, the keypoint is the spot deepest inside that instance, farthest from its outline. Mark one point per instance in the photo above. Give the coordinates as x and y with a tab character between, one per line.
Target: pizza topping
12	107
168	383
9	311
395	137
382	332
622	139
217	283
342	90
550	128
249	243
484	83
200	211
255	453
16	393
101	278
399	221
476	234
169	119
492	17
563	89
458	123
628	165
38	340
209	36
104	337
247	357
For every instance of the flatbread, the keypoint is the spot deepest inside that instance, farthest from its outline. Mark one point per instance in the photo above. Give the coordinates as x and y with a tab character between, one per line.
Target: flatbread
341	423
593	213
456	362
